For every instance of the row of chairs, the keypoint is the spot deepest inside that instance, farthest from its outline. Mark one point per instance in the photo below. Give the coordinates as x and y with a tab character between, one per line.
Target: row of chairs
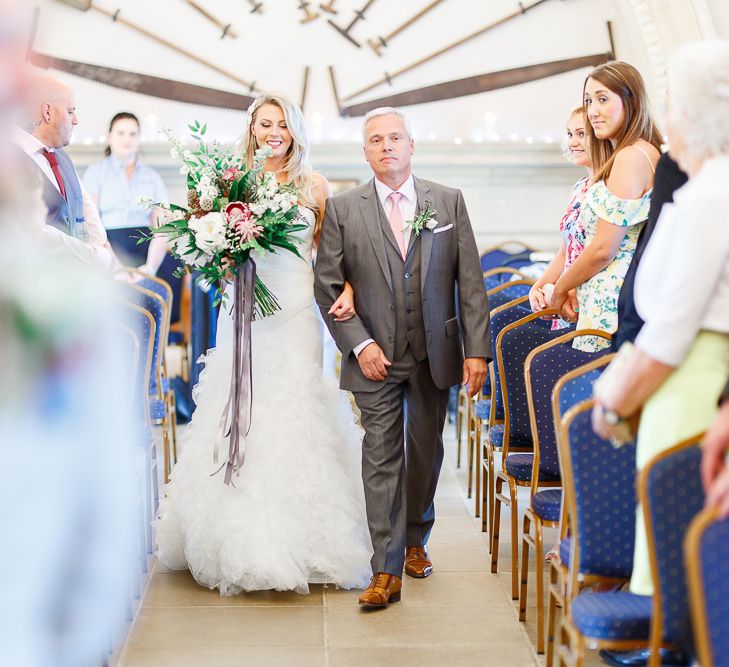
535	411
144	305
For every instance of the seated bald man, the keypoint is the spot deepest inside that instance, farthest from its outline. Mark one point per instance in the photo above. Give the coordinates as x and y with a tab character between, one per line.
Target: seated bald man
72	222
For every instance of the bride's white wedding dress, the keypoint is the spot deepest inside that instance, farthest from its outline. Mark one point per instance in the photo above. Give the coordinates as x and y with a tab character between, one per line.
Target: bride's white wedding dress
296	513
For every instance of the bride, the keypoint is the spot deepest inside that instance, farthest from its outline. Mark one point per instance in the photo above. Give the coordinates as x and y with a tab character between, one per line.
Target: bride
296	513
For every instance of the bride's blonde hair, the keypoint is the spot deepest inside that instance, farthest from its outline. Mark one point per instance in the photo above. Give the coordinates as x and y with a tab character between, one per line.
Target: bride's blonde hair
296	162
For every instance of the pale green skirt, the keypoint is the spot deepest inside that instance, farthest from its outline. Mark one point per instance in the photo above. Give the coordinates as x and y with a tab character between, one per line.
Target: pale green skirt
683	406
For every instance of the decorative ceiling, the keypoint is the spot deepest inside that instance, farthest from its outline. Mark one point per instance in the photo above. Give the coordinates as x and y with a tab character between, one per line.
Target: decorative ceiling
465	71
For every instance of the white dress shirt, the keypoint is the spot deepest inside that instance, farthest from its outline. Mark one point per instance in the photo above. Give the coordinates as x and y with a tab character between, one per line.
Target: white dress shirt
682	282
94	251
408	204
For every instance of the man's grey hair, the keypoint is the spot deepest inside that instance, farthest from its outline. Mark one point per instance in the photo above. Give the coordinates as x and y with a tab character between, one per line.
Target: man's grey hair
698	87
385	111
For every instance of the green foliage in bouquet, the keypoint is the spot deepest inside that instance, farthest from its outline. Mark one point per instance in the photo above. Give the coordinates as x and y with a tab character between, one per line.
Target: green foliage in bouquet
232	210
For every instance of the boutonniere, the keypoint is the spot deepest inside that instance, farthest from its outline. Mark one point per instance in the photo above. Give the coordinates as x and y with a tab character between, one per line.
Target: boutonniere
424	219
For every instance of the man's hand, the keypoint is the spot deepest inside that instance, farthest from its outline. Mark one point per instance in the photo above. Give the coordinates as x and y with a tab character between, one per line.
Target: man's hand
714	472
474	374
373	362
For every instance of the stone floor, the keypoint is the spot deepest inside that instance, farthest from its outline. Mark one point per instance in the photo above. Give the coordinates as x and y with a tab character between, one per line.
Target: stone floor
462	616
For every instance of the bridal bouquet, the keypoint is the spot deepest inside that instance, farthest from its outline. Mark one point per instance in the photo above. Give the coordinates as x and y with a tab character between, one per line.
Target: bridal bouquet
232	209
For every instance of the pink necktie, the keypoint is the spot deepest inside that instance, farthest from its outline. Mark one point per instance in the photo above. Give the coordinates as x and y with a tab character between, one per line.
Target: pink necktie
396	221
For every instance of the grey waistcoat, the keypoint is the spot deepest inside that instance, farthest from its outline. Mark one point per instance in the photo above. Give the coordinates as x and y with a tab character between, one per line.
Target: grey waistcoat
408	305
62	213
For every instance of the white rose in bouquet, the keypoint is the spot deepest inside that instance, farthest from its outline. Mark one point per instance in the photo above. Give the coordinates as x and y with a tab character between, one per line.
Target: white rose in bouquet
285	201
260	208
182	247
209	231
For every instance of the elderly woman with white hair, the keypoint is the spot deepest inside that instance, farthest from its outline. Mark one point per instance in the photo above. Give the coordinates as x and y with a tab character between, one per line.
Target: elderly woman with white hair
679	364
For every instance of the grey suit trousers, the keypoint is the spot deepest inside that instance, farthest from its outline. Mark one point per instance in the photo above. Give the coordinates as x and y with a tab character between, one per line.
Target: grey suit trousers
402	455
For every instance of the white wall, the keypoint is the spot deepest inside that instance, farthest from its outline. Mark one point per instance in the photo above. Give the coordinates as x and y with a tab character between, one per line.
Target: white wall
513	188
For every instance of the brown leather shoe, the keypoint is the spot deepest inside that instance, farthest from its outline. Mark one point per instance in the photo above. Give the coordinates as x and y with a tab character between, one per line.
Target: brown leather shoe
383	589
417	562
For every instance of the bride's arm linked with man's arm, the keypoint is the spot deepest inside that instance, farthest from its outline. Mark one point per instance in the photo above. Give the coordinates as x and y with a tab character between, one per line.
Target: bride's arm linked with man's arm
330	283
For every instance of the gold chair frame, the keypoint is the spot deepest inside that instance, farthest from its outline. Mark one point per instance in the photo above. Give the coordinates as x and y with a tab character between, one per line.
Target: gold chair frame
506	269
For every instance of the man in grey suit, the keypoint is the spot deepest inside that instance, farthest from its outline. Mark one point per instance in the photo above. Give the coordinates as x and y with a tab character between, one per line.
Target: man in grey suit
420	305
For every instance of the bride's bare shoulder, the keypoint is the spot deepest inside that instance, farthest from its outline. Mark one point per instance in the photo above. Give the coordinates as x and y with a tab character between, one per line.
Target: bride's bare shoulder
321	189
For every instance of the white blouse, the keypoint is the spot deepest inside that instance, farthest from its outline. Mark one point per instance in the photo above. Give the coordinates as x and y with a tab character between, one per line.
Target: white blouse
682	282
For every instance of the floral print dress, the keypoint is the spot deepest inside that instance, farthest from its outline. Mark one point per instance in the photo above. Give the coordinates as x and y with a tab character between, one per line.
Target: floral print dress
573	233
598	296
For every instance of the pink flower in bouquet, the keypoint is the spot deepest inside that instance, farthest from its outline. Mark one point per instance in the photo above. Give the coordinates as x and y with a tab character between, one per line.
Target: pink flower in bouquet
239	217
231	174
235	209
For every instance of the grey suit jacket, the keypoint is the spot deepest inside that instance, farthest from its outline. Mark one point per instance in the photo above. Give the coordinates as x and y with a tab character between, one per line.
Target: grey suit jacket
455	305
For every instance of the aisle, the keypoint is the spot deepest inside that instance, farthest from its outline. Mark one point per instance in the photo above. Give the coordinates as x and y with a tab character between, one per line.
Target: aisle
460	616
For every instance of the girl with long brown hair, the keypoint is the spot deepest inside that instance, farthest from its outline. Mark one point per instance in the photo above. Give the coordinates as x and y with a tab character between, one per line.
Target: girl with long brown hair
624	144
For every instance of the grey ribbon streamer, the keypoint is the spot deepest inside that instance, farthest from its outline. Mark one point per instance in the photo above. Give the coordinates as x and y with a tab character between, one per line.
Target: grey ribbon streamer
238	408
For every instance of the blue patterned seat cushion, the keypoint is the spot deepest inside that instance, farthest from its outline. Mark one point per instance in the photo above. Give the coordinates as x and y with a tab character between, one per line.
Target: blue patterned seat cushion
565	548
519	466
619	615
605	500
496	436
482	409
156	409
547	504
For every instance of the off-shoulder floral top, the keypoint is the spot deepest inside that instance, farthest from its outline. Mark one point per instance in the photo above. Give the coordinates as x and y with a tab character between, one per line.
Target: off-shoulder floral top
573	233
598	296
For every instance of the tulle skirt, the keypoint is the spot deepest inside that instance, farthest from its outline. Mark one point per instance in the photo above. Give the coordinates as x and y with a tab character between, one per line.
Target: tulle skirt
295	515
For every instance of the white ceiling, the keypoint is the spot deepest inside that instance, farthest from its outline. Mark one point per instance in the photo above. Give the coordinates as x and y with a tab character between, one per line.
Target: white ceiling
273	48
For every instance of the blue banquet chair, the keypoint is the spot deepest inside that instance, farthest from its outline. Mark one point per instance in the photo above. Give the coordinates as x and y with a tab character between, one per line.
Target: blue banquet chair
572	388
502	274
543	368
507	253
671	494
501	317
513	344
161	406
599	488
707	566
508	291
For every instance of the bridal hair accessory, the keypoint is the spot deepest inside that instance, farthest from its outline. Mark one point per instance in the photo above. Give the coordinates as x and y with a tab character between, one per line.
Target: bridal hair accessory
424	219
233	209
